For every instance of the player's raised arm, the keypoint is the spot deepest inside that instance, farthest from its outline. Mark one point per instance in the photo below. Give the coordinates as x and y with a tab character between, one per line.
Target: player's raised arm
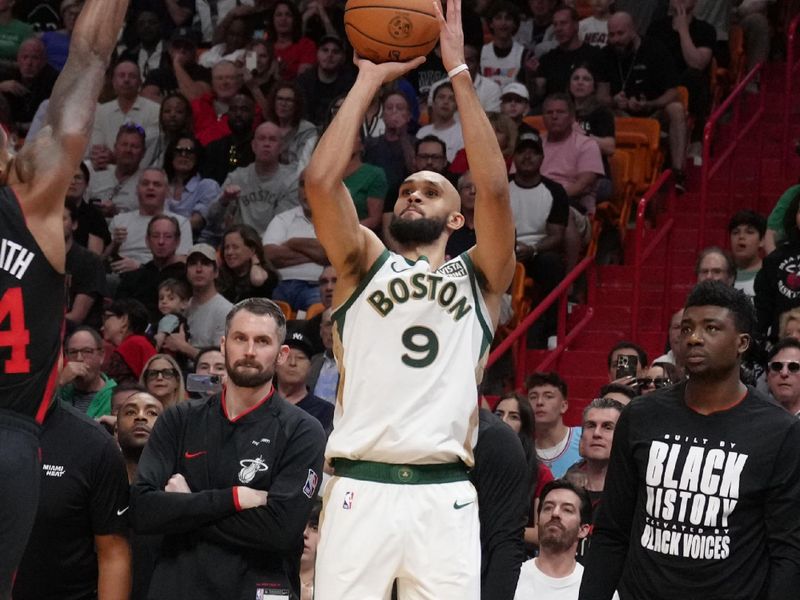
348	245
493	253
47	165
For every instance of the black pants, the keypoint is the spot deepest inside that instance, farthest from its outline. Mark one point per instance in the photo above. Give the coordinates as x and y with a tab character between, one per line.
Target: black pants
547	270
19	492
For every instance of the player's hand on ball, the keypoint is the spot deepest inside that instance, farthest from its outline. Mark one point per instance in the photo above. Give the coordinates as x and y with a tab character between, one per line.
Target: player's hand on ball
177	483
250	498
388	71
451	35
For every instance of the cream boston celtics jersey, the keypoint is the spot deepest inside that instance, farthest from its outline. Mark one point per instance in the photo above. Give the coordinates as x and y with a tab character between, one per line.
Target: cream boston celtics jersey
411	344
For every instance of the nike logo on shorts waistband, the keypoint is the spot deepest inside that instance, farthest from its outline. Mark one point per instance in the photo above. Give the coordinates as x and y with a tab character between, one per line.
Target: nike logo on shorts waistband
458	506
122	512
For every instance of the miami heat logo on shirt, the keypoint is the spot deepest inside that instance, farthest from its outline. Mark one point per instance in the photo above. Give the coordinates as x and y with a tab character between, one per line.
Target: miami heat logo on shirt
251	466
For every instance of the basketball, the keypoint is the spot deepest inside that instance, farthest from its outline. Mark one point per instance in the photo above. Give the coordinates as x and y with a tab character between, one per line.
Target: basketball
391	30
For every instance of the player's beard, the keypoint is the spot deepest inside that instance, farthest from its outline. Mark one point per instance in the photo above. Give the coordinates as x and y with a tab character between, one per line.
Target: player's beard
251	378
411	232
557	539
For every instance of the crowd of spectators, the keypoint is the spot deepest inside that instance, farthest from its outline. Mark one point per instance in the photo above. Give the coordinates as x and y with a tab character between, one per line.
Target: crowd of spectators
191	199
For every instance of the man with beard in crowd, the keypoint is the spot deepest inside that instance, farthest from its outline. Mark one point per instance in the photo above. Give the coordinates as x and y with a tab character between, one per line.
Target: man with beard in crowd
230	480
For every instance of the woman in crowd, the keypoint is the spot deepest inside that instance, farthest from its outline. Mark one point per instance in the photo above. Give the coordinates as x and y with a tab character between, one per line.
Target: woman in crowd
790	324
266	72
245	272
657	376
285	107
294	52
190	195
124	325
175	118
516	412
162	377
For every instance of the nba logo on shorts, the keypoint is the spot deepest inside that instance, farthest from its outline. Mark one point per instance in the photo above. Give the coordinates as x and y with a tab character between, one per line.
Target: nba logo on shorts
348	500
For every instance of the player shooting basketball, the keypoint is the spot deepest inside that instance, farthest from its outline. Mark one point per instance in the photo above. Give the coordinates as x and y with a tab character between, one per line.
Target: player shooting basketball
32	292
412	335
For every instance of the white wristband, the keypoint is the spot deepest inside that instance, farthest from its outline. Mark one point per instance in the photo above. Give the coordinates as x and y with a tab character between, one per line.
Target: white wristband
456	70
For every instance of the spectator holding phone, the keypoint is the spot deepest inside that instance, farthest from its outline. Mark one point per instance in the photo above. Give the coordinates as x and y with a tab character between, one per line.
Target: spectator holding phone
626	362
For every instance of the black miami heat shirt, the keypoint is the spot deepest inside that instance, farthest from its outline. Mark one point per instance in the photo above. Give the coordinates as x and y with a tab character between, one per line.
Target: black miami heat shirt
699	506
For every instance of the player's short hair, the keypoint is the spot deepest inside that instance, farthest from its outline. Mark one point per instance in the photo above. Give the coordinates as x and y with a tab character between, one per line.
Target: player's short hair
179	287
716	293
259	306
601	404
751	218
625	344
783	344
133	387
581	493
98	339
540	378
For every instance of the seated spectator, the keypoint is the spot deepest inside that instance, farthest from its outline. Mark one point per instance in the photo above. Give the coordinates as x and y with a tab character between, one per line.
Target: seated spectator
616	391
775	234
180	73
368	188
323	373
595	119
210	361
81	383
652	92
593	29
233	48
515	104
506	131
79	541
444	123
163	237
129	107
129	230
290	243
327	284
295	53
292	377
113	188
541	215
190	195
777	284
330	78
571	158
29	84
207	308
658	375
244	270
124	325
716	264
254	194
790	324
690	41
617	368
173	300
148	49
91	231
210	110
12	33
746	230
163	379
501	58
536	29
86	282
565	518
311	533
555	67
285	108
556	444
488	90
783	374
265	75
234	150
174	119
673	342
463	239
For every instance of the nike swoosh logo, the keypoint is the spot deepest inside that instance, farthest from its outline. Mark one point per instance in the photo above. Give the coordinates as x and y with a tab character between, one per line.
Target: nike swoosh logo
191	455
122	512
458	506
394	268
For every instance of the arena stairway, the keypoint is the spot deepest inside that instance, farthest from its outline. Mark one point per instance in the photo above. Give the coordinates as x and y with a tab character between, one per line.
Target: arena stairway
583	364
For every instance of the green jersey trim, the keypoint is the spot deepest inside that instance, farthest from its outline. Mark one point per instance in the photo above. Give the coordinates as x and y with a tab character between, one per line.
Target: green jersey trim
338	315
488	334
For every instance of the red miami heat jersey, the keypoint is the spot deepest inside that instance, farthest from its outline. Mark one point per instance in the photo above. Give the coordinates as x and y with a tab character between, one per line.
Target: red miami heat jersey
31	315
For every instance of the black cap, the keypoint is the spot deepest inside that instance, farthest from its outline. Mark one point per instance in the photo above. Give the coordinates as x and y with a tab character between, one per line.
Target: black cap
529	140
186	35
299	341
331	38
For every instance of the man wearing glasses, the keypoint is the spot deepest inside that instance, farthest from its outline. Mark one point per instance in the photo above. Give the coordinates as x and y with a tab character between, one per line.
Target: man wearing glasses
703	482
783	374
82	384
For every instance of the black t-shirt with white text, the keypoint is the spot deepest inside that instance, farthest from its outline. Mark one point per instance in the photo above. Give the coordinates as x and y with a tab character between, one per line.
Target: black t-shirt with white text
699	506
648	71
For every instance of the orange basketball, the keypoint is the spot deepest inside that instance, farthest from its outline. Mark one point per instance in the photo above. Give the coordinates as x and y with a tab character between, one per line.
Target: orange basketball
391	30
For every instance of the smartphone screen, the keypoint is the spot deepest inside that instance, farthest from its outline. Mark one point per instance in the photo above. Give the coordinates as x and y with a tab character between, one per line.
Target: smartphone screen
627	365
203	384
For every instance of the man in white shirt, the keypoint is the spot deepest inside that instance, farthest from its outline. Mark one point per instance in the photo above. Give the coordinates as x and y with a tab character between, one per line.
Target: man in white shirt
444	123
565	517
113	189
127	107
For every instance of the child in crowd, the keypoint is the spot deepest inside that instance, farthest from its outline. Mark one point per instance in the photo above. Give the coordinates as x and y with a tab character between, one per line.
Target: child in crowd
173	298
594	29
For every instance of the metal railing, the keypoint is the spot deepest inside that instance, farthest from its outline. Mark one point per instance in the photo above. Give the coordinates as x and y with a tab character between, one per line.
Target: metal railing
664	183
738	132
792	66
518	338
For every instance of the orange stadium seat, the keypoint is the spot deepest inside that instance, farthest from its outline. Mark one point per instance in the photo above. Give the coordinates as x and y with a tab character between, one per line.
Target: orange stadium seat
535	121
314	310
643	138
286	309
